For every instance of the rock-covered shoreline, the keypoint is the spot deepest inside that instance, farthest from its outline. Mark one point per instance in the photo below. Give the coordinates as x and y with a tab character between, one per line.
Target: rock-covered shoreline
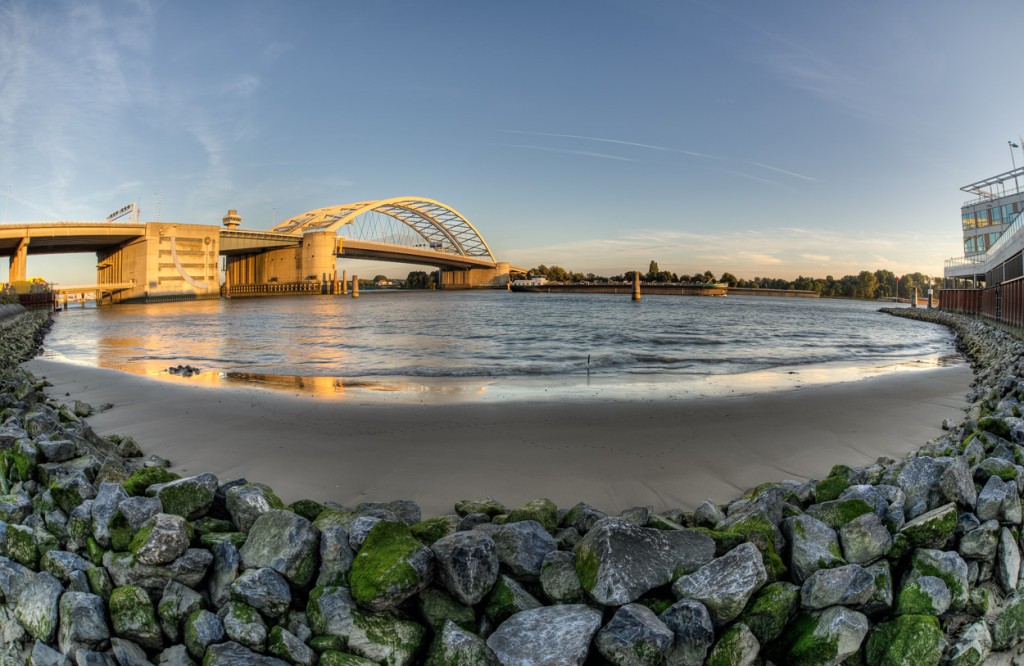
105	560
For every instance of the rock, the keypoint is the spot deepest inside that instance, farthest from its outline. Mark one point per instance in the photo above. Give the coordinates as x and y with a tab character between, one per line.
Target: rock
924	595
44	655
848	585
973	648
708	514
1008	628
430	530
37	607
725	584
770	609
507	598
285	645
264	589
177	603
57	451
1007	564
189	570
558	578
980	543
931	529
920	481
233	654
176	655
737	647
907	639
164	538
945	565
438	607
190	497
487	506
542	511
554	635
455	645
246	503
694	632
617	561
821	637
813	545
71	491
13	578
134	618
404	511
864	539
379	637
467	564
992	497
244	625
360	528
83	623
634	637
285	542
129	517
336	556
127	653
226	563
202	629
390	567
521	546
62	564
837	513
582	517
957	485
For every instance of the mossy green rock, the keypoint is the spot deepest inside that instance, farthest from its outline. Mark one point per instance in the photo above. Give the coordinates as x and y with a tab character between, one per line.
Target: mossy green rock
736	647
138	482
487	505
995	425
931	529
836	513
831	488
390	567
908	640
507	598
543	511
285	645
438	608
382	638
189	498
334	658
307	508
924	595
770	609
321	644
455	646
21	546
236	539
134	618
285	542
1008	629
432	529
820	638
334	517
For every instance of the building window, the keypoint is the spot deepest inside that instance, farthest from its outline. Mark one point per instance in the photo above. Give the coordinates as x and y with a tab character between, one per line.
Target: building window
996	215
969	246
968	219
993	237
982	218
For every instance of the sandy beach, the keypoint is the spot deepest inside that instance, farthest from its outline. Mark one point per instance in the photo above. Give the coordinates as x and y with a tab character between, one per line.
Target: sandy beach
612	454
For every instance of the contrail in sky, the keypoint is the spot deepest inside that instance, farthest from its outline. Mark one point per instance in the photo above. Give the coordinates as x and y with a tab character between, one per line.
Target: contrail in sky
566	151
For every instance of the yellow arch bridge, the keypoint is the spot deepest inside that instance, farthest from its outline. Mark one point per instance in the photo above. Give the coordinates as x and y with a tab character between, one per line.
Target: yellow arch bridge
155	261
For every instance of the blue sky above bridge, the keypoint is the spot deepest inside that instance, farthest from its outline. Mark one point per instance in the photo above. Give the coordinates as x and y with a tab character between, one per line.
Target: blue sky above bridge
757	138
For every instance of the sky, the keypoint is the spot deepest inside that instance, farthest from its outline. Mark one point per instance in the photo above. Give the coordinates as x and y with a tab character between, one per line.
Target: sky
763	139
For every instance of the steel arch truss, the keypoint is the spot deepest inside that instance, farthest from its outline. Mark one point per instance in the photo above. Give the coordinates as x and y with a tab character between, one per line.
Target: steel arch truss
444	228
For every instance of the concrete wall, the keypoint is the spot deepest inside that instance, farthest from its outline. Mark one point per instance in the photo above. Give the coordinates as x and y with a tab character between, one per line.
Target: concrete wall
476	277
171	262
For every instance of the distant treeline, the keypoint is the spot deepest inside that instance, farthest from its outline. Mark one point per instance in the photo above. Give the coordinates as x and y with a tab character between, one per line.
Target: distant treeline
866	284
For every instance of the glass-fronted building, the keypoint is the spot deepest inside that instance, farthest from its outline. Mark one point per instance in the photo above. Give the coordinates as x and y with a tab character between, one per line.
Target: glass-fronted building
992	238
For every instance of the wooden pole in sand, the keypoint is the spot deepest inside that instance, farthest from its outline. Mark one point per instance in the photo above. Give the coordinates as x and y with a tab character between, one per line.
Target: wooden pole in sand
355	286
636	285
344	283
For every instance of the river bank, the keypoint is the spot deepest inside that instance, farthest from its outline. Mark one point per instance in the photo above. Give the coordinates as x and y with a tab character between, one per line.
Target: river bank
914	560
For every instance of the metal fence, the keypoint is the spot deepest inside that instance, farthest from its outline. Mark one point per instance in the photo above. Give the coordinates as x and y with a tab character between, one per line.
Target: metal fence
1004	303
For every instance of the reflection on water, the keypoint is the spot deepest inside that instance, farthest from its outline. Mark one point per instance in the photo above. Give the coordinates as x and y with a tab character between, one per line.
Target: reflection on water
494	343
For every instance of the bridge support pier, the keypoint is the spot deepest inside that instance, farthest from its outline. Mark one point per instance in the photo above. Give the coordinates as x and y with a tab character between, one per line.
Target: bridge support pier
18	267
476	277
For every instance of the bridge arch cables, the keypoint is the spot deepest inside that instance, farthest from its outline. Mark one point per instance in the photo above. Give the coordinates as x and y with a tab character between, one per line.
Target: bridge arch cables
423	223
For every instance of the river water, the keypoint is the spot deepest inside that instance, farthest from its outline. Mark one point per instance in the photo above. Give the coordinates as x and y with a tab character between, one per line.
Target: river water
501	343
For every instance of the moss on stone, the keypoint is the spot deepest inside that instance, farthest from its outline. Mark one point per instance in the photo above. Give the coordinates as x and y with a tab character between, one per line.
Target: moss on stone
138	482
95	551
307	508
771	608
587	566
142	536
382	563
403	638
21	546
438	607
830	488
543	511
798	646
837	513
186	500
725	540
727	651
17	465
132	614
995	425
931	533
236	539
908	639
914	601
1008	629
335	658
207	525
321	644
333	518
429	531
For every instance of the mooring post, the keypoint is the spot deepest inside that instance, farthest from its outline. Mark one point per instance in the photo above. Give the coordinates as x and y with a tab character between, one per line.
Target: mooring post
355	286
913	303
344	283
636	285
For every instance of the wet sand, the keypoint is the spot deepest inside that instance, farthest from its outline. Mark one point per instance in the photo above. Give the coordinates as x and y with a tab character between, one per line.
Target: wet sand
611	453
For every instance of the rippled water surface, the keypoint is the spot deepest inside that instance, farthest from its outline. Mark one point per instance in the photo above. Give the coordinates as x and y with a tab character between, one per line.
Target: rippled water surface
384	338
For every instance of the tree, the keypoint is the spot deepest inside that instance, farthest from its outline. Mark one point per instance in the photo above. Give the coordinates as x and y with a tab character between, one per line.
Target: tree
380	278
729	279
420	280
652	271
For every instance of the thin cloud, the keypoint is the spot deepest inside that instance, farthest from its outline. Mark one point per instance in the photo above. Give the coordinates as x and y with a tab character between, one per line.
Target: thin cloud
785	171
566	151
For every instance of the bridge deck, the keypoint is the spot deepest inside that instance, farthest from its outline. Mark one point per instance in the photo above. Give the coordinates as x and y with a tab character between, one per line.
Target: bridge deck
66	237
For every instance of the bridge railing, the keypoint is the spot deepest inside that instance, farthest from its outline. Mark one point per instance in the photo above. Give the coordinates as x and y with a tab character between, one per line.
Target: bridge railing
281	288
